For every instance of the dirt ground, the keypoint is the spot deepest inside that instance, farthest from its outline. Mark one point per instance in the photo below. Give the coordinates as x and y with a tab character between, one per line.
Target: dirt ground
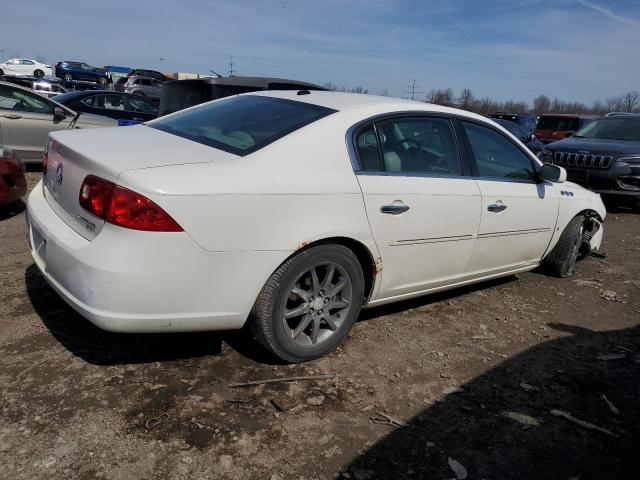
472	377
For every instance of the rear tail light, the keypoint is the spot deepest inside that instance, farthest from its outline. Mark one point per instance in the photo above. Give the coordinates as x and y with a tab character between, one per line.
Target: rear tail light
45	160
123	207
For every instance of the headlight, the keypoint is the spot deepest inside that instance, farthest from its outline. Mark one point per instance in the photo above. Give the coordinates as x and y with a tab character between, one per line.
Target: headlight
635	159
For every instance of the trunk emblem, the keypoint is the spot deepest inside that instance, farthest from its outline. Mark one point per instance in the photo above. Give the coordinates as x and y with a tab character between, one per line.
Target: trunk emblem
59	174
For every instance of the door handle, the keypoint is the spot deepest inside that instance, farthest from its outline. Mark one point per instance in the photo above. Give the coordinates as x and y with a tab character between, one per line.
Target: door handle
497	207
12	116
394	208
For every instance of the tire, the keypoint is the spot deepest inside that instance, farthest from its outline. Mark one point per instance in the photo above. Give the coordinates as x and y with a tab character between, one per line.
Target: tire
38	73
1	71
67	77
329	314
561	261
102	81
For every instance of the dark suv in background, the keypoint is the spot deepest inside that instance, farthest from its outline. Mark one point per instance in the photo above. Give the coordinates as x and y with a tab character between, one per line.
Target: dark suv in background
81	71
526	121
556	126
604	157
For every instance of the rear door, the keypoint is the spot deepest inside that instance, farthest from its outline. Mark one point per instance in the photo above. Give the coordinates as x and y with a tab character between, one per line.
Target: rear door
423	211
518	213
26	120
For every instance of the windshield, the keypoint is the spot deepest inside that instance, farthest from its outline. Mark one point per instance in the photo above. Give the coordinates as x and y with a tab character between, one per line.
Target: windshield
243	124
612	128
564	124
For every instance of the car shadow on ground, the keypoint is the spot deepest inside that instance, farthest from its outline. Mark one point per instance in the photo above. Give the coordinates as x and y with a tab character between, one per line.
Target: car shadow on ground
9	211
501	425
100	347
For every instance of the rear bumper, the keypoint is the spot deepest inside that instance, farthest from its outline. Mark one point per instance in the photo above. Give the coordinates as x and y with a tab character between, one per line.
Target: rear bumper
131	281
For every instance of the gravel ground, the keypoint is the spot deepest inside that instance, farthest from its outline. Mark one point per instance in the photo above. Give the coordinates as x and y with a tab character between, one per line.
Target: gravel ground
472	377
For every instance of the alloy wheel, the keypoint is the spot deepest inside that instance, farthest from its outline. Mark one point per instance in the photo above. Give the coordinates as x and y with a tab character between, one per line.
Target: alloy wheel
317	304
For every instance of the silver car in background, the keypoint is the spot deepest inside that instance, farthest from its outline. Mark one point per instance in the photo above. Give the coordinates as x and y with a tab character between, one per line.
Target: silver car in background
27	118
143	86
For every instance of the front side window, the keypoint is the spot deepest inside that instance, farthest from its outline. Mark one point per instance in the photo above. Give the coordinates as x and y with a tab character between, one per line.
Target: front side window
21	101
27	62
241	125
496	156
411	145
141	105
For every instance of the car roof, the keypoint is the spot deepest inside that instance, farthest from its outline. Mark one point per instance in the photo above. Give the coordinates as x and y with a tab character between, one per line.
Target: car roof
568	115
347	101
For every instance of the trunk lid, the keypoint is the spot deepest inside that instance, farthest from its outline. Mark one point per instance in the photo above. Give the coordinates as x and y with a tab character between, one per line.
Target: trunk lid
106	153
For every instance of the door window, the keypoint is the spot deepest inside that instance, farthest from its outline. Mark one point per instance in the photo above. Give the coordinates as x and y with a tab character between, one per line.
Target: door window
368	151
496	156
27	62
108	102
21	101
141	105
411	145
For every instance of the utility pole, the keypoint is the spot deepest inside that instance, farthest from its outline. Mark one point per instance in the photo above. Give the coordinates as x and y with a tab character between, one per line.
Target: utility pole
231	69
413	90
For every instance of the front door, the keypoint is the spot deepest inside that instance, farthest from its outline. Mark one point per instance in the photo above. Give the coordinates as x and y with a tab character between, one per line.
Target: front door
423	212
26	120
519	212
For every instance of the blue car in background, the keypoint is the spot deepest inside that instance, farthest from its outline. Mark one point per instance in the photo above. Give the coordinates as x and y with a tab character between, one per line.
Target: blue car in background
81	71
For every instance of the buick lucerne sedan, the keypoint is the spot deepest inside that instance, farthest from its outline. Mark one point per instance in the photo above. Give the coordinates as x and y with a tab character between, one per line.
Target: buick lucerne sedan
289	211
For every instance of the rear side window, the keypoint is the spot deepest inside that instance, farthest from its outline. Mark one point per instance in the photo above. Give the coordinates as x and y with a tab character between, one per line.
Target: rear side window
241	125
496	156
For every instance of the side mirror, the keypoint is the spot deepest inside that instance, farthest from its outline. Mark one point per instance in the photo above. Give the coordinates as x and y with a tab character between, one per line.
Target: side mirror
59	114
553	173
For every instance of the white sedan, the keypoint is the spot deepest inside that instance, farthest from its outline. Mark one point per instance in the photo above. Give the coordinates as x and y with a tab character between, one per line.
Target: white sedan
25	67
291	211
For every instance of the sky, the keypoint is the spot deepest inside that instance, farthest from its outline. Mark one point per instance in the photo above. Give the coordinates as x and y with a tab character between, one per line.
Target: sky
577	50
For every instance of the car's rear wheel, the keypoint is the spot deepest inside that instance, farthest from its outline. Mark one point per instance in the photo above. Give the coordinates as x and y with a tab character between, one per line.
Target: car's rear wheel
309	303
561	261
67	77
38	73
1	71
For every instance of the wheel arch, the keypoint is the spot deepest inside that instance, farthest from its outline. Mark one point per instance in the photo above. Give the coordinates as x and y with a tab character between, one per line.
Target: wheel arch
370	267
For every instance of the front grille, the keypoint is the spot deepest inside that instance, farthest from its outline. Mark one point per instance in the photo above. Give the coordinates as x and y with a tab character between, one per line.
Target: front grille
584	160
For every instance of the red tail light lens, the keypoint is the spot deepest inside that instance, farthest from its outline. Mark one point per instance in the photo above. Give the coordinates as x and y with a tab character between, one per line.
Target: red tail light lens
123	207
45	160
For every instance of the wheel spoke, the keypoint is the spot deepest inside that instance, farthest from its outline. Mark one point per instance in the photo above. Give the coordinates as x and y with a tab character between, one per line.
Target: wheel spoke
296	312
337	287
315	329
301	293
338	304
326	282
304	323
314	279
330	321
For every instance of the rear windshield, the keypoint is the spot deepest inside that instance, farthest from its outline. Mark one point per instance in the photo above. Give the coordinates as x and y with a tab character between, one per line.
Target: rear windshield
564	124
241	125
612	128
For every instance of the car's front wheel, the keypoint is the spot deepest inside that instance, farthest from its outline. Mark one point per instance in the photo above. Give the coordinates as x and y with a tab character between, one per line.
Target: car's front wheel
67	77
561	261
309	303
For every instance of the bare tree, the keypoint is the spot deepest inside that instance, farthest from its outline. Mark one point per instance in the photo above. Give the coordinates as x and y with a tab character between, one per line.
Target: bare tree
541	104
441	96
630	101
41	58
466	99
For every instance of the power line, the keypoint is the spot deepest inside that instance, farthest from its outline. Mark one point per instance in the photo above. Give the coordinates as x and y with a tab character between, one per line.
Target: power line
413	90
